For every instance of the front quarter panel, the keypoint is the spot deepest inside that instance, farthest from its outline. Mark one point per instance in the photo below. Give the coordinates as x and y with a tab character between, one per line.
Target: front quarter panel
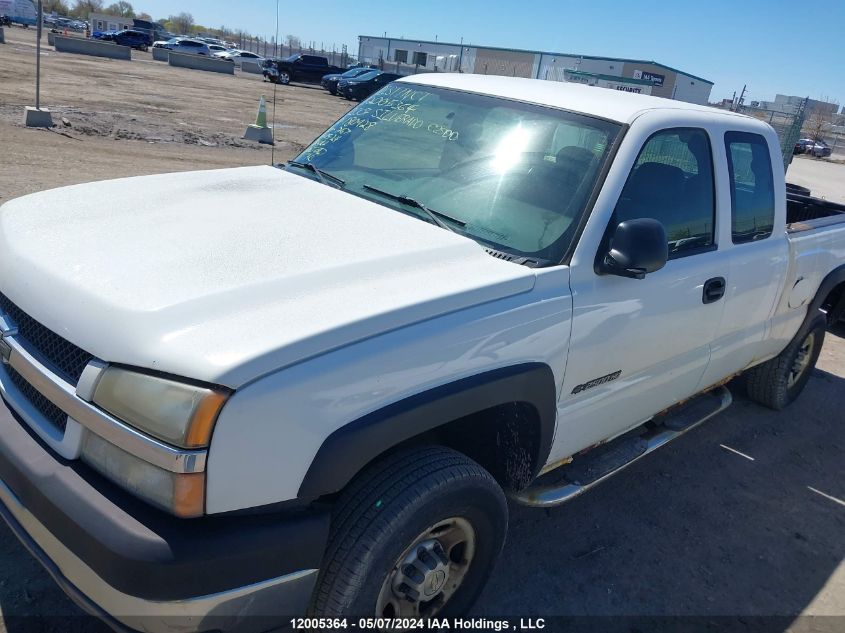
271	429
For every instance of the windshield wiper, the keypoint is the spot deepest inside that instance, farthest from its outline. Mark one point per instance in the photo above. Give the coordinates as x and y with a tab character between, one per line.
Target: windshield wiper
322	176
412	202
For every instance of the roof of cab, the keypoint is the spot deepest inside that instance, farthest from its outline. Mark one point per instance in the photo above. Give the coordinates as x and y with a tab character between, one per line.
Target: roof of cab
615	105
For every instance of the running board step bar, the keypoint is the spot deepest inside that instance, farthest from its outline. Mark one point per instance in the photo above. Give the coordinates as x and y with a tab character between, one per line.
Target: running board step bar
590	469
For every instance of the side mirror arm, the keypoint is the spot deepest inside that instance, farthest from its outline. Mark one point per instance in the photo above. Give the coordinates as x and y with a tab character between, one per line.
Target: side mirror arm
614	267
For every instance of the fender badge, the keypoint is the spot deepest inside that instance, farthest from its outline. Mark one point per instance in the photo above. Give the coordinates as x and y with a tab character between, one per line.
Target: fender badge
595	382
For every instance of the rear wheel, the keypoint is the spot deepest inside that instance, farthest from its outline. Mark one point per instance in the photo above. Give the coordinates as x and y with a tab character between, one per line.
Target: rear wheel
416	535
779	381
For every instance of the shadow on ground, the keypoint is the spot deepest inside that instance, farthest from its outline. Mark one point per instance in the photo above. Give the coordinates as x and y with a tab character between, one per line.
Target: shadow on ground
696	529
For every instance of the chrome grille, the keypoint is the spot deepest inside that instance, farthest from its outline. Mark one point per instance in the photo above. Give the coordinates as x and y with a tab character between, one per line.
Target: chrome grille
51	412
65	358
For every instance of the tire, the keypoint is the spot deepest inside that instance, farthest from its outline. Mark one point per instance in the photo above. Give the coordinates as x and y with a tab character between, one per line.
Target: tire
284	77
778	382
378	523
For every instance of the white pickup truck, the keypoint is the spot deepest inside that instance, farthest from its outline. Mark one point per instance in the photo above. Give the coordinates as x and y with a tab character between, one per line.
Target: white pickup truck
309	390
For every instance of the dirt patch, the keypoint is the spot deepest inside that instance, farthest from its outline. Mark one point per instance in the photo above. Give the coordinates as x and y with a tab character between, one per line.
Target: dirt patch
117	118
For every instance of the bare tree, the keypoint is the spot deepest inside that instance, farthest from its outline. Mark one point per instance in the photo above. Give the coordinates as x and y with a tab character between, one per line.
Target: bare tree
82	8
59	7
293	41
183	22
123	9
817	120
145	16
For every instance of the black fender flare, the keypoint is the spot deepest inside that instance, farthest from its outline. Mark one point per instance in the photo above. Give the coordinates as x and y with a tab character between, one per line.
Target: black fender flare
831	281
351	447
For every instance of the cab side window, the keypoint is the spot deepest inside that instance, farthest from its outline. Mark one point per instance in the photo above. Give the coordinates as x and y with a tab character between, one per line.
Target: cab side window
752	187
672	182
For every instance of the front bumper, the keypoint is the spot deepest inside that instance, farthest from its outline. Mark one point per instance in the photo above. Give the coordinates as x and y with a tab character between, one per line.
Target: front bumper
141	569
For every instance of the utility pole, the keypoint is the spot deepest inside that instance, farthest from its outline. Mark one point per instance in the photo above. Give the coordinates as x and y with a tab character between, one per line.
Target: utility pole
38	56
38	117
741	100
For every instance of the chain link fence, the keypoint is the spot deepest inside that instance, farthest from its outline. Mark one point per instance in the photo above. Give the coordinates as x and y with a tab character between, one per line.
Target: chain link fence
265	48
787	125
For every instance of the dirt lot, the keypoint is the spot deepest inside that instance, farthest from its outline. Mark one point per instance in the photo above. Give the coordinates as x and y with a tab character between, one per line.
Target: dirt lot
139	117
691	534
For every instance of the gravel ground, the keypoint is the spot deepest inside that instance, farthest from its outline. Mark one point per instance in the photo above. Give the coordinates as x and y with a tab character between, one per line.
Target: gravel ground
743	517
139	117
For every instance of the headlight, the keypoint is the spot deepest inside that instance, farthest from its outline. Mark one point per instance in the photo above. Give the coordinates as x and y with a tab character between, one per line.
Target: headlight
175	412
182	494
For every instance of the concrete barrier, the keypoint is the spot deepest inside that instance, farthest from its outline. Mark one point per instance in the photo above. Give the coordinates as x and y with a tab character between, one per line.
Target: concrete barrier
200	62
160	54
251	67
51	38
91	47
2	36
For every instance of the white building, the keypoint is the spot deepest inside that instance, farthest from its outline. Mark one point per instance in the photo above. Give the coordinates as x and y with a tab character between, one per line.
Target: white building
634	75
108	22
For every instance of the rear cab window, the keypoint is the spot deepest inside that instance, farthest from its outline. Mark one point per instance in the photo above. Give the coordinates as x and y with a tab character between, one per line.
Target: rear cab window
752	187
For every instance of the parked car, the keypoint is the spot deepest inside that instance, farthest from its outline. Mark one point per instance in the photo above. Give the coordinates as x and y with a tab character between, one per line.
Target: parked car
803	145
314	390
217	48
329	82
188	45
364	85
819	149
133	39
5	20
106	36
306	68
237	57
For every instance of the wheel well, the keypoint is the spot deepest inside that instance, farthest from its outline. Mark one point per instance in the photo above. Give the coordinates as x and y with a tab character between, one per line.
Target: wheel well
834	303
503	418
504	439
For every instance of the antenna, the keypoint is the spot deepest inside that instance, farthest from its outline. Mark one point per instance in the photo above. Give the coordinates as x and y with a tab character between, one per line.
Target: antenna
275	85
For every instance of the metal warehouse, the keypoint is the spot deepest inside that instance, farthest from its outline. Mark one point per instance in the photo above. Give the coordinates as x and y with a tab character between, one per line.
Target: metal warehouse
630	75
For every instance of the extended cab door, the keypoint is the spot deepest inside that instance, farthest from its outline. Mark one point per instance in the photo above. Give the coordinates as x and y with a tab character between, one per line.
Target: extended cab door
754	245
639	346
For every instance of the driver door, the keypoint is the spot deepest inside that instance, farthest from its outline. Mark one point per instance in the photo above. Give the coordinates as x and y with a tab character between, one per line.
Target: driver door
640	345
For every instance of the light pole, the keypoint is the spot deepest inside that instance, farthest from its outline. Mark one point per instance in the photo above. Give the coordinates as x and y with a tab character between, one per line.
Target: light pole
36	117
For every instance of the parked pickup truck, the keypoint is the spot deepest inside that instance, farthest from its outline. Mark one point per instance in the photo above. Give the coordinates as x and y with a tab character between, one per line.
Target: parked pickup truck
299	67
318	405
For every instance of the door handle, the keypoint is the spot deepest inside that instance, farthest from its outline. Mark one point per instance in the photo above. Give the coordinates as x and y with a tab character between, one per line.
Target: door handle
714	289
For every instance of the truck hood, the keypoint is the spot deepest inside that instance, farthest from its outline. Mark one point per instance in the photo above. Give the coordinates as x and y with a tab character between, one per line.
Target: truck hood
227	275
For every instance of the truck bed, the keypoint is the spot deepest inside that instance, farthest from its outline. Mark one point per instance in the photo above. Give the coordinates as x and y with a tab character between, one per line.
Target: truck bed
804	213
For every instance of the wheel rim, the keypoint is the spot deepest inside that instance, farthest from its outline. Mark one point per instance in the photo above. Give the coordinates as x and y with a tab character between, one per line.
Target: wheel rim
802	360
429	572
284	78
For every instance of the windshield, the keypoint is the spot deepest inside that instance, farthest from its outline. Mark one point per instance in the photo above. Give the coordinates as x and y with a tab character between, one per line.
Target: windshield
355	72
367	74
513	176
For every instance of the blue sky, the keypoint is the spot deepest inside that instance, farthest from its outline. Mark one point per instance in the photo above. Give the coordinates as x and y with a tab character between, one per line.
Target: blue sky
774	46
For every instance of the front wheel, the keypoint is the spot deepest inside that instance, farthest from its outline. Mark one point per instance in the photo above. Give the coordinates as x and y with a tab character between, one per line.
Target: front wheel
284	77
779	381
416	535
